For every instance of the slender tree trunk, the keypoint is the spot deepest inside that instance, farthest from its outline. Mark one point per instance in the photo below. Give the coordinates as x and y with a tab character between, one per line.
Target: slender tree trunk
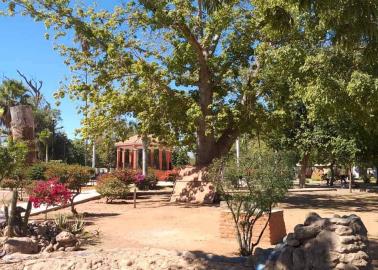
94	155
47	153
332	180
350	178
302	173
12	215
27	214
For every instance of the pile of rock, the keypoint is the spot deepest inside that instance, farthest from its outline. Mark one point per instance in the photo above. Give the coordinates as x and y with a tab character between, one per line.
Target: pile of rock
323	243
42	237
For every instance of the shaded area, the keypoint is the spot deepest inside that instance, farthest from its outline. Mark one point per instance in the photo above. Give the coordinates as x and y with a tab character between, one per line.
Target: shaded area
373	251
212	261
332	200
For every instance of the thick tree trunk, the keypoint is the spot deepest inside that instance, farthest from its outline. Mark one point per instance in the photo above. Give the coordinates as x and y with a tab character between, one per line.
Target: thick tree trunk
302	173
22	128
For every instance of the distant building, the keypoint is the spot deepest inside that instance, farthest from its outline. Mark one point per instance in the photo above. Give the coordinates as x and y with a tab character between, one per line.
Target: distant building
129	154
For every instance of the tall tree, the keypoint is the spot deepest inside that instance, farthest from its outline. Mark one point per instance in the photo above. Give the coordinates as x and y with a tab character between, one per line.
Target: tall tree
44	136
187	69
12	92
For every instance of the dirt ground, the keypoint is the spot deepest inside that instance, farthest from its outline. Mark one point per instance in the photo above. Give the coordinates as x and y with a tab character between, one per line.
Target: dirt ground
157	223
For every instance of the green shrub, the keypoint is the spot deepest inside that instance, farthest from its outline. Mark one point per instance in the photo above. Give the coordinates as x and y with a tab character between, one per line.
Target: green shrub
36	172
74	177
110	187
251	189
63	223
148	183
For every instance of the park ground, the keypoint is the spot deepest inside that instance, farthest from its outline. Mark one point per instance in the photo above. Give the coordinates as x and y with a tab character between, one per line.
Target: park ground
156	223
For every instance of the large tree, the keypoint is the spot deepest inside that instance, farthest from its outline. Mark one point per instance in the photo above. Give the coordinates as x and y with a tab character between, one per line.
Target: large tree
187	69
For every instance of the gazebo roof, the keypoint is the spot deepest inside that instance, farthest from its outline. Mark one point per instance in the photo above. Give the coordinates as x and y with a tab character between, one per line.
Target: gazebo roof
136	140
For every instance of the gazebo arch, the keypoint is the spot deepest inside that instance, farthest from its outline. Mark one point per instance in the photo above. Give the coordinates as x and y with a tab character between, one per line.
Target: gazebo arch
129	154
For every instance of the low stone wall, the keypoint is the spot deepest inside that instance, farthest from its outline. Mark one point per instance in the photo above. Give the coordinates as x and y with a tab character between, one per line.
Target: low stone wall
273	234
323	243
191	188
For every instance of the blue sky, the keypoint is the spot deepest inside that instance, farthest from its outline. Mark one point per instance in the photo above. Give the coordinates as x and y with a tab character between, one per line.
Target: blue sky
23	47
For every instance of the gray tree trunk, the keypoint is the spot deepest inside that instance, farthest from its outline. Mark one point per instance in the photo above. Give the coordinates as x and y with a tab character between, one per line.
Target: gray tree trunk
47	153
22	128
302	173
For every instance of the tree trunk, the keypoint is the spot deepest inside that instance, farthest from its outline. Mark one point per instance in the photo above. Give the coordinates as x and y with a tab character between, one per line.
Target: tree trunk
94	155
363	173
302	173
332	180
350	178
12	215
47	153
22	128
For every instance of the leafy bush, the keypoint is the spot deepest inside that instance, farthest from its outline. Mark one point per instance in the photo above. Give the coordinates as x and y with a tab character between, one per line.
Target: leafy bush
251	190
36	172
50	193
111	187
74	177
126	176
147	183
169	175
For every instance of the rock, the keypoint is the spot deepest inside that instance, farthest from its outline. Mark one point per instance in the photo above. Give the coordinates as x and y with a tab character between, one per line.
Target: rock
56	246
358	226
23	245
285	259
324	243
49	248
343	266
61	249
293	242
74	248
311	217
306	232
343	230
66	239
299	259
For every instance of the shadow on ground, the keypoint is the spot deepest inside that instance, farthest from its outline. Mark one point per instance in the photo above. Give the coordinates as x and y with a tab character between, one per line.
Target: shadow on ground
373	250
332	201
212	261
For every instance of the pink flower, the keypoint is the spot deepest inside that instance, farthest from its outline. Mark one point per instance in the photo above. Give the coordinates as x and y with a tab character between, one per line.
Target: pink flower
139	177
50	192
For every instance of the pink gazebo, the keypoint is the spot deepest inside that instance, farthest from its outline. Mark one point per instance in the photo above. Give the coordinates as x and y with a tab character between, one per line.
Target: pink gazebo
129	154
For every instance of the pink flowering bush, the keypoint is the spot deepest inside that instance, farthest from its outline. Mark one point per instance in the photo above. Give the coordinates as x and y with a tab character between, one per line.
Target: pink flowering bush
139	177
50	193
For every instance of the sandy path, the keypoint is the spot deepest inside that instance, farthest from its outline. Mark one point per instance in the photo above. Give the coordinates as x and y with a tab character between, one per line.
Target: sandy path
157	223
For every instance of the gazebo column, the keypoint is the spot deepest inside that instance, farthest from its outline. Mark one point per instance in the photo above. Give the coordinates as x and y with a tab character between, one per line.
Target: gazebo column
160	159
135	164
118	158
168	157
123	158
152	157
130	158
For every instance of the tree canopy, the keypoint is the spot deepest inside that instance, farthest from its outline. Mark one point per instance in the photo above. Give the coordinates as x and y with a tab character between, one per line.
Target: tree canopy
204	72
